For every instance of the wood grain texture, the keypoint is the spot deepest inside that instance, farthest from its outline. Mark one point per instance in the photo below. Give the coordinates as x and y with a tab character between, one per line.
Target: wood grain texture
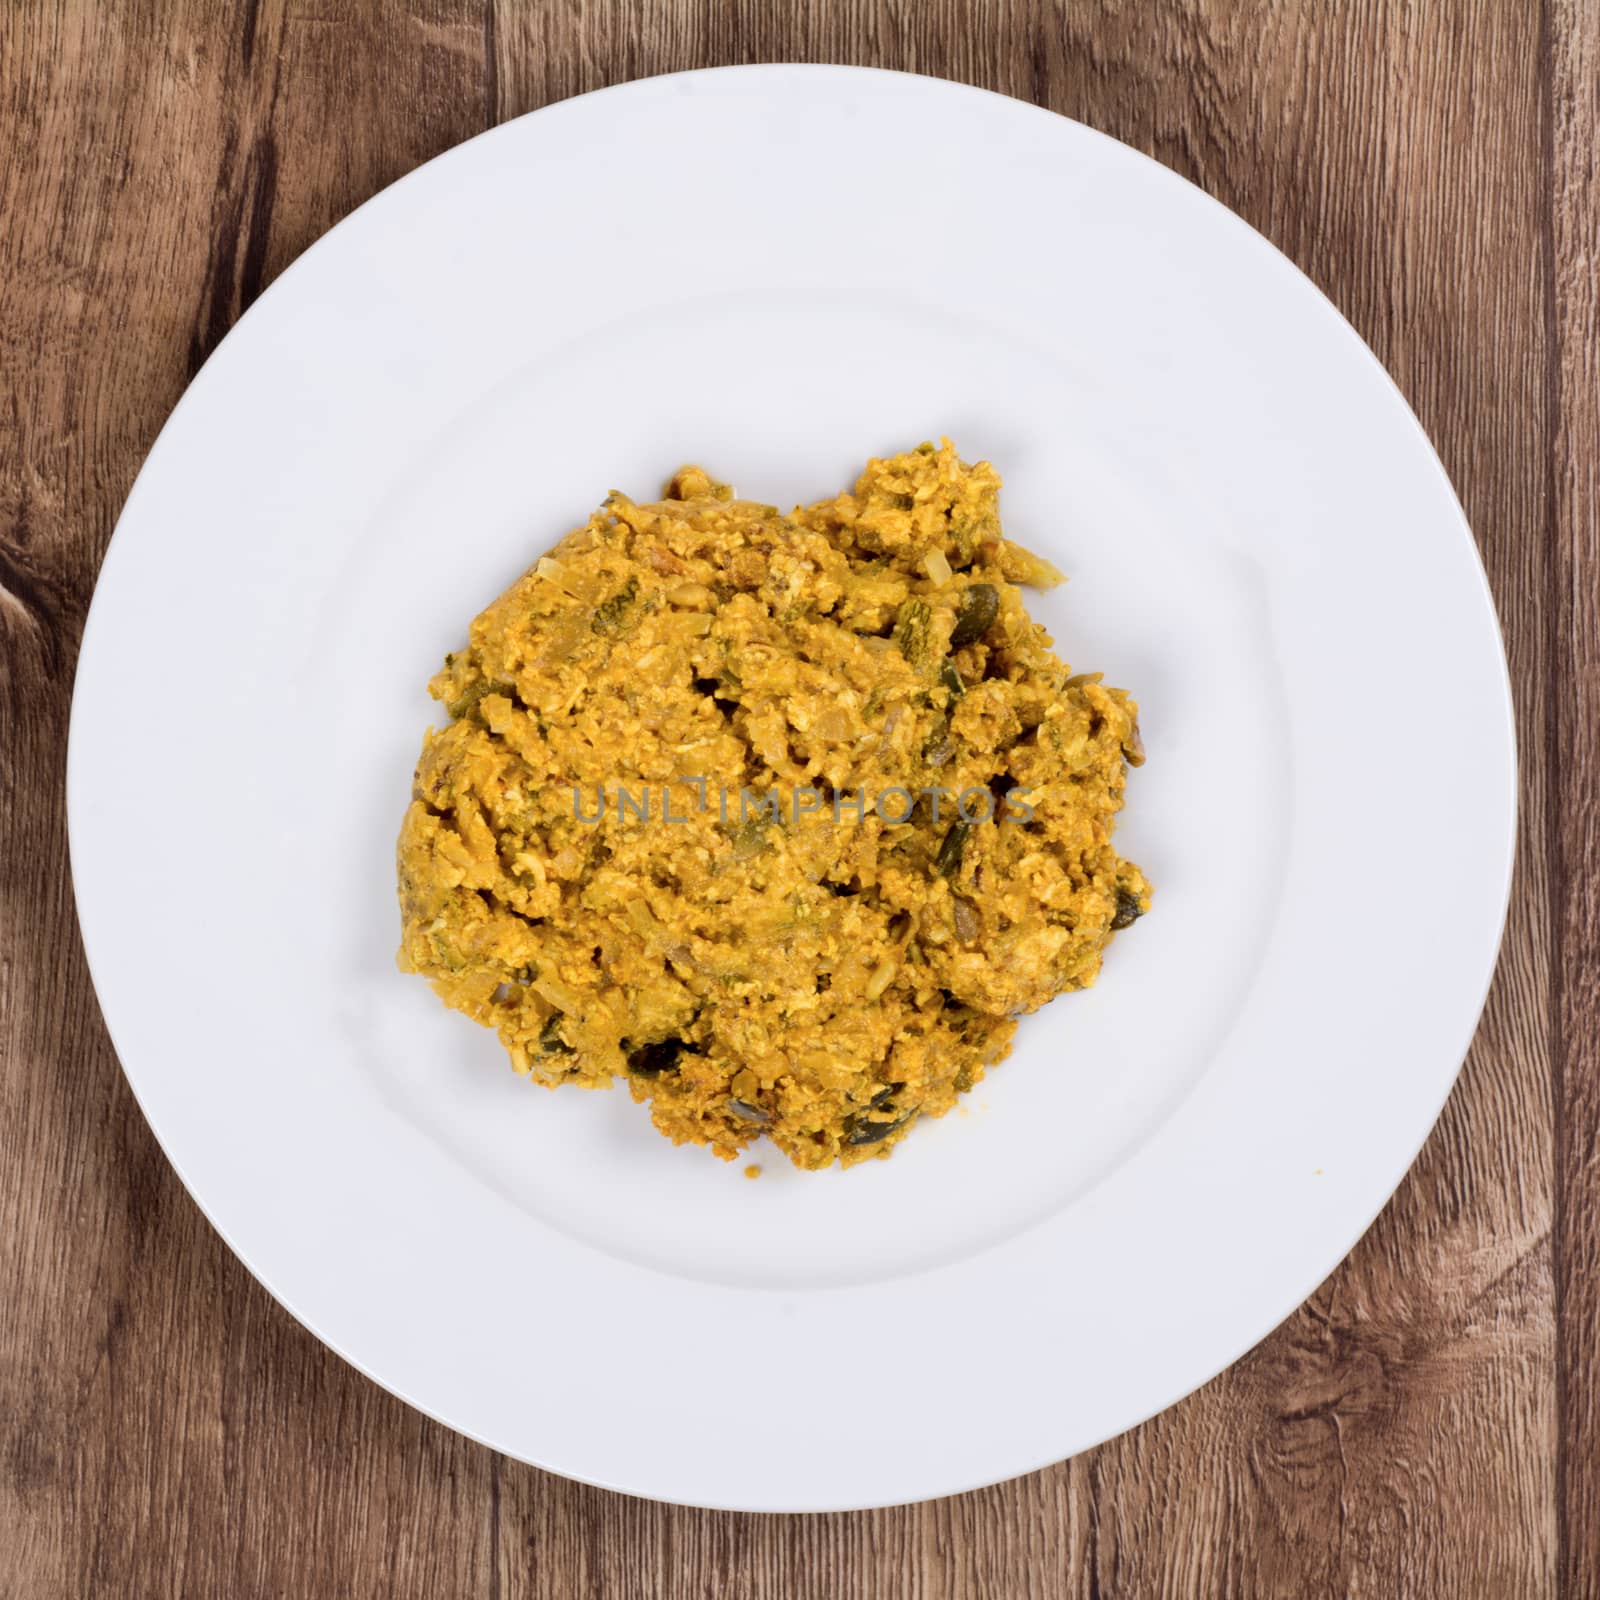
1427	1425
1572	306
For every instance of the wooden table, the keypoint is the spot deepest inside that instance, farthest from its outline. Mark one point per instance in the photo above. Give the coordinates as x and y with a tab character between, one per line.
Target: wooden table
1427	1425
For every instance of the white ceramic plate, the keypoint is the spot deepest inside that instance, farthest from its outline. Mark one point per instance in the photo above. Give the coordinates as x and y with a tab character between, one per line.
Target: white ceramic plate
777	271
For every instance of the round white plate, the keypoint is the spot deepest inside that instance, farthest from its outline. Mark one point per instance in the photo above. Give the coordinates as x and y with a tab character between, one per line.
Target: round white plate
777	271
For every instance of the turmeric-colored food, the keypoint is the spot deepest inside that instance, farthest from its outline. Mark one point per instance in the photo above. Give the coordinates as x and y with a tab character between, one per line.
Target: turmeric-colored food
782	820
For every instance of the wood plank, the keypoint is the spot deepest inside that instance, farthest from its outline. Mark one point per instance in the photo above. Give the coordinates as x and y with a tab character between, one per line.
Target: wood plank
1572	46
1344	1454
164	1427
101	279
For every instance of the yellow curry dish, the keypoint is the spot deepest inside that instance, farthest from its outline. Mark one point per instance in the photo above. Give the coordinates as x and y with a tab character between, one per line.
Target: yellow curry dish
783	820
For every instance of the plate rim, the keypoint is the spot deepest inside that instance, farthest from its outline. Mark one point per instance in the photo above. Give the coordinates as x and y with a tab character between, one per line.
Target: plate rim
1505	701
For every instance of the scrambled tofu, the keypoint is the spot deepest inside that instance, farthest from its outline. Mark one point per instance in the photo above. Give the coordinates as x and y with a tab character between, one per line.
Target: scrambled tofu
781	820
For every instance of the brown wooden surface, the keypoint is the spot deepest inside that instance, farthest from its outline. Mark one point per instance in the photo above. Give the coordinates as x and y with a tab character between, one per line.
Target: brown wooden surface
1427	1425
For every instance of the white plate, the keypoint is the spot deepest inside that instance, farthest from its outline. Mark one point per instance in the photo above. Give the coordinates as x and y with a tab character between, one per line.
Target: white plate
777	271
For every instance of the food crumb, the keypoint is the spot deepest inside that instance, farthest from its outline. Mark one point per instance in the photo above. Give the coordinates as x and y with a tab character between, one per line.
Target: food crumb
752	1171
